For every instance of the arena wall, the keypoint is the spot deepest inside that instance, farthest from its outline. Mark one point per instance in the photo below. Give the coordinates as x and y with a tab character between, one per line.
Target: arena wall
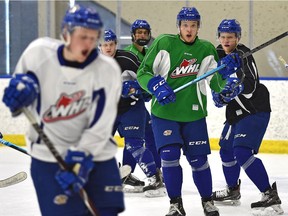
275	139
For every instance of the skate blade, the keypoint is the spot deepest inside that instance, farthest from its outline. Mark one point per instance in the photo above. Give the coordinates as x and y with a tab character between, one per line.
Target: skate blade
132	189
228	203
268	211
161	192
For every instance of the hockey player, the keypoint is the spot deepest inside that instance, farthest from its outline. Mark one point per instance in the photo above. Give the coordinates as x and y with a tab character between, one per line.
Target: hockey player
179	121
131	118
67	87
141	36
247	117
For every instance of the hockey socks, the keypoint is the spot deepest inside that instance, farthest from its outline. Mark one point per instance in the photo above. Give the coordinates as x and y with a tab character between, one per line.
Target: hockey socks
201	174
253	167
128	159
173	178
142	155
231	168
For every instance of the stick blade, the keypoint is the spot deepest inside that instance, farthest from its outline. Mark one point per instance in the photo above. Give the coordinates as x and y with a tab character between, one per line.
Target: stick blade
17	178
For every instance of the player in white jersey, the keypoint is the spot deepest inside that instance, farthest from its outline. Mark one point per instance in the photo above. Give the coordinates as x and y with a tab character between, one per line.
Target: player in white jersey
67	88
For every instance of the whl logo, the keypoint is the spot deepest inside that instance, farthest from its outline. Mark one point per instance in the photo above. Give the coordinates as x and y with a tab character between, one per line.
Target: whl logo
186	68
67	107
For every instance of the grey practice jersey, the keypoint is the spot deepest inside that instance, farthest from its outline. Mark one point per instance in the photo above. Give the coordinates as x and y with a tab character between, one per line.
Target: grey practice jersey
77	104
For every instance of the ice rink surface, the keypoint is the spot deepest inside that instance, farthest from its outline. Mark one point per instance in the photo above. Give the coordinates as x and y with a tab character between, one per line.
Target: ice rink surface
20	199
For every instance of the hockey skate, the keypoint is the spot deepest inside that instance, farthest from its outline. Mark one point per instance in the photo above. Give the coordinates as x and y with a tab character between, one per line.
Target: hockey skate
228	196
155	187
176	207
131	184
270	203
209	208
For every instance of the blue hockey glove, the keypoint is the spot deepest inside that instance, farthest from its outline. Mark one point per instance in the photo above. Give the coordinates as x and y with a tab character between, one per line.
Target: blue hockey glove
131	88
218	100
161	90
232	89
73	181
232	62
21	92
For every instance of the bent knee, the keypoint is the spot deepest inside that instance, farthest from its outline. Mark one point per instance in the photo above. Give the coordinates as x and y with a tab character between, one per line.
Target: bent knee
170	155
244	156
198	163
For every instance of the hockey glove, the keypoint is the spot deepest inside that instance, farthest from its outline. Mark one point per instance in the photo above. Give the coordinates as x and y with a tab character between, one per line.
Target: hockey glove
161	90
218	100
130	88
232	62
232	89
73	181
21	92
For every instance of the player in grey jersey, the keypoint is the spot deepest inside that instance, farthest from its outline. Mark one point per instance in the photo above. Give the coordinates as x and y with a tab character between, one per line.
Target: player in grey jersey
67	88
247	118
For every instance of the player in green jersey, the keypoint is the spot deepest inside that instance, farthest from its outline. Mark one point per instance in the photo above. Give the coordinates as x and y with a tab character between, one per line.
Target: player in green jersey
179	121
141	35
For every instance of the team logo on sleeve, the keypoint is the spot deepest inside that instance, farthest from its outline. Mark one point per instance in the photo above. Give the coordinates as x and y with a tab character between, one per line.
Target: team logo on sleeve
67	107
186	68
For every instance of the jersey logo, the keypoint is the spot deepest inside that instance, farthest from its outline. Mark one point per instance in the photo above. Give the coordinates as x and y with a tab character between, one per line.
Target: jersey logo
186	68
67	107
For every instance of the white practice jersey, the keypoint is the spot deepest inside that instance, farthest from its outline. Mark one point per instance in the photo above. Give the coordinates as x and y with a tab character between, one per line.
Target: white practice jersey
76	107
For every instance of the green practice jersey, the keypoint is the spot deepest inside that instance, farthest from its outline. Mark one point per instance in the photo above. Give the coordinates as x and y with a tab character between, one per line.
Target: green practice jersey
132	48
179	63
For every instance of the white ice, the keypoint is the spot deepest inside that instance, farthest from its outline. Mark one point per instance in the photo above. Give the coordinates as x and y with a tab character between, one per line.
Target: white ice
20	199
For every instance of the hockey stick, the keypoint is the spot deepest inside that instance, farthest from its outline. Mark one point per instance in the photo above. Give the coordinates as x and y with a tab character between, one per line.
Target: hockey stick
11	145
83	194
211	72
19	177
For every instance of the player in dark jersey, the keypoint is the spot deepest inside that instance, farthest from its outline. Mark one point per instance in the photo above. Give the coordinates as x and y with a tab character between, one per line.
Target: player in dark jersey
247	118
131	118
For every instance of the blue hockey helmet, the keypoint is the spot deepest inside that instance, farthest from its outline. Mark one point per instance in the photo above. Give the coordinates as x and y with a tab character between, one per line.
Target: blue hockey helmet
81	16
140	24
230	26
109	35
143	24
188	13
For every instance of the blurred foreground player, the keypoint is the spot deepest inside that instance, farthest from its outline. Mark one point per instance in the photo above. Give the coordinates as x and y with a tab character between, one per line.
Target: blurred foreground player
65	85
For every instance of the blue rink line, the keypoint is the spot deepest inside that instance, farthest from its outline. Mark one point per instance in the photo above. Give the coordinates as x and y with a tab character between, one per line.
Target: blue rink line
274	78
5	76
